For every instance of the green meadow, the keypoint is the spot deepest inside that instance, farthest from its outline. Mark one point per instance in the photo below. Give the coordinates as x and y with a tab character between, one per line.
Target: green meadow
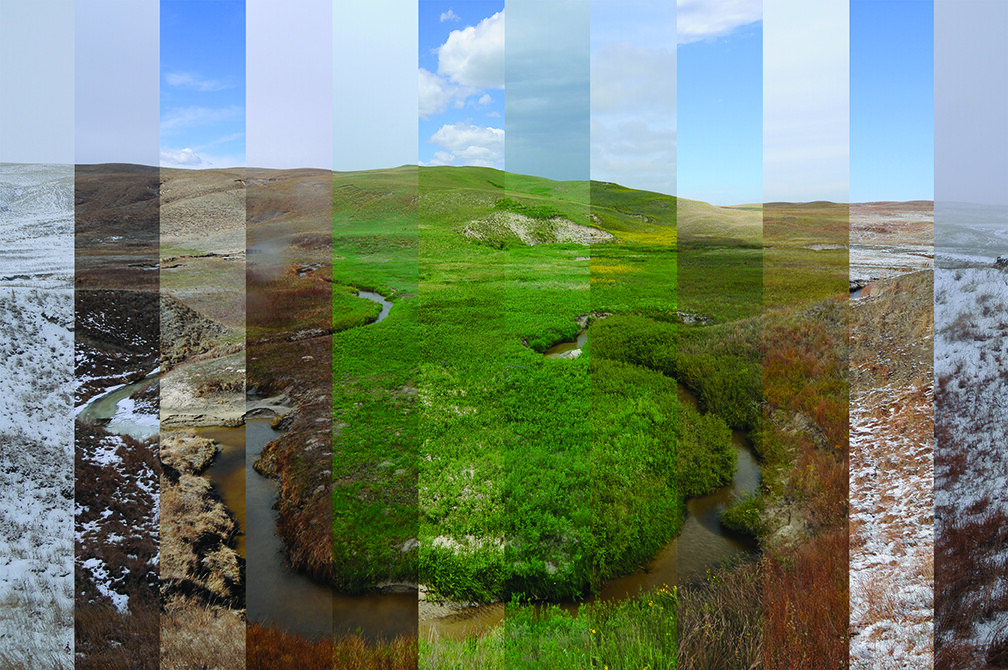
528	479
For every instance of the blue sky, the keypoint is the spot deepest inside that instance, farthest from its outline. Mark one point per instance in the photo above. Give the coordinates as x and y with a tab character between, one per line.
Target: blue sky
891	100
720	116
202	83
461	83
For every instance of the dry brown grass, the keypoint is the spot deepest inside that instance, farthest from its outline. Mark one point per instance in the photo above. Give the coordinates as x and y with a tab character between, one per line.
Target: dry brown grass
720	621
196	636
270	648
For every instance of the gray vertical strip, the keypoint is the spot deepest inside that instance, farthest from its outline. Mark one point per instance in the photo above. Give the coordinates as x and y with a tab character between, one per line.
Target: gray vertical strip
891	284
116	334
718	360
971	220
288	209
202	363
805	233
36	338
375	343
546	302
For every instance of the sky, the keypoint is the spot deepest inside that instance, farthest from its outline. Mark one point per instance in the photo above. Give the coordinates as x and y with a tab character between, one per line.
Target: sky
375	95
633	94
891	100
548	81
971	102
202	83
720	103
116	71
461	83
37	61
806	106
289	84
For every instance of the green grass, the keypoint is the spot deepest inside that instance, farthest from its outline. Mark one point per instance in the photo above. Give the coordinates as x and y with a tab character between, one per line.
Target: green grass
637	633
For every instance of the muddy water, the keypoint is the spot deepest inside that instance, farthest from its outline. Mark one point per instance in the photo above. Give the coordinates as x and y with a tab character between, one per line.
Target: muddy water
386	306
563	347
227	472
113	412
704	542
278	595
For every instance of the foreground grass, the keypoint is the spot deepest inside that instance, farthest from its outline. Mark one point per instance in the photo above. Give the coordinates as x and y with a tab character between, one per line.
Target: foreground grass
637	633
274	649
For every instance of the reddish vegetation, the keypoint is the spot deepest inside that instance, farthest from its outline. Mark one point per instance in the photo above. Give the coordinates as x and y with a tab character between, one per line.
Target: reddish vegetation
805	605
275	649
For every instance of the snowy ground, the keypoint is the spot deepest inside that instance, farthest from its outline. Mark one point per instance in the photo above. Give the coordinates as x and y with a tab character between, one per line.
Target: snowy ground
891	570
36	417
971	471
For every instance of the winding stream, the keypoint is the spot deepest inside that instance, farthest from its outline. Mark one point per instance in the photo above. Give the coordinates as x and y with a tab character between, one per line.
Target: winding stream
278	595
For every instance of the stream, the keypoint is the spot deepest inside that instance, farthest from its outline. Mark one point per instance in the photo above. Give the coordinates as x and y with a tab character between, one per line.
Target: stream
278	595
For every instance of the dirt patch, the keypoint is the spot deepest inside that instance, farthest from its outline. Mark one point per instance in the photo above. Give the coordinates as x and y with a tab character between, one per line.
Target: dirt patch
511	226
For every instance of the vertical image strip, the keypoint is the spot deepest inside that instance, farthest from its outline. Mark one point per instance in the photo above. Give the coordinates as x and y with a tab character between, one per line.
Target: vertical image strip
724	474
636	509
36	338
891	369
116	335
288	335
970	359
805	435
375	343
202	335
462	340
545	236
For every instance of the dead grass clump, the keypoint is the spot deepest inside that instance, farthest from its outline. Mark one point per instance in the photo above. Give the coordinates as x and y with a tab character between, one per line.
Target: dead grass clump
720	620
196	636
106	639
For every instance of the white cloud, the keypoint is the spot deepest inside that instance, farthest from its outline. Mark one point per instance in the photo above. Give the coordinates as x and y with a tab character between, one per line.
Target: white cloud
436	93
181	158
466	144
485	99
187	117
474	56
705	19
449	16
194	82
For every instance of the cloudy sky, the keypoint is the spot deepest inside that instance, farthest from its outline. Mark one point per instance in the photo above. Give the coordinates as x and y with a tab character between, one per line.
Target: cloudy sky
891	100
633	94
116	77
375	95
202	83
461	83
289	84
720	102
37	62
548	80
806	115
971	102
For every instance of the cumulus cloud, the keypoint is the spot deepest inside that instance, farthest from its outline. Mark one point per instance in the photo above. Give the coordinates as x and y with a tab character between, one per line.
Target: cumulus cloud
485	99
181	158
466	144
474	56
449	16
193	82
705	19
437	93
